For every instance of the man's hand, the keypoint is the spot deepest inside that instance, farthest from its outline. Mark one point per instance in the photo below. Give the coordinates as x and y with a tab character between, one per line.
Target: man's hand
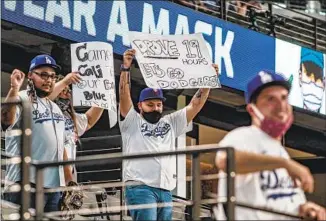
128	56
312	211
215	66
301	175
72	78
17	79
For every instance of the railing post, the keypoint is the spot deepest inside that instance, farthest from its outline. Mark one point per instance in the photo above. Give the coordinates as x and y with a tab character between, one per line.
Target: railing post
230	183
196	187
224	10
315	33
25	161
39	195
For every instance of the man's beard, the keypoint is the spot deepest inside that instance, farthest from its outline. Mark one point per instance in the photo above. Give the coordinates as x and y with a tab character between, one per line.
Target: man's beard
41	93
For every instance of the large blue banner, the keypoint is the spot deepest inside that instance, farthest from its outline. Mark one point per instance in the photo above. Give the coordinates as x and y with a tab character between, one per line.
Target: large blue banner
239	52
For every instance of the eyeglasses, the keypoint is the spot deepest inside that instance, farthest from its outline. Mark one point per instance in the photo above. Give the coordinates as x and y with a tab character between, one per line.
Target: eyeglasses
45	76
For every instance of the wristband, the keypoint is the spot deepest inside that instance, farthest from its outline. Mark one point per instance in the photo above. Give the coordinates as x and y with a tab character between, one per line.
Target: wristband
122	68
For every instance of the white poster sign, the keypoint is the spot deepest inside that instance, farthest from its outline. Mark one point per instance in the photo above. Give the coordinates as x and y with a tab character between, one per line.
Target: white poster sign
174	61
94	62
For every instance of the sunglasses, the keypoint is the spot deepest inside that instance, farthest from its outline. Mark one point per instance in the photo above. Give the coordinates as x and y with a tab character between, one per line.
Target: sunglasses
45	75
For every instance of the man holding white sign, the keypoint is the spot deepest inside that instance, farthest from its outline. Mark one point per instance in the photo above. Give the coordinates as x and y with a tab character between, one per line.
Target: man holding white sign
150	181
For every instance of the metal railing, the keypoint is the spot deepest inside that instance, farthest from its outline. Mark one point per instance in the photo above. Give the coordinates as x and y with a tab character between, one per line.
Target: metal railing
119	157
25	150
310	33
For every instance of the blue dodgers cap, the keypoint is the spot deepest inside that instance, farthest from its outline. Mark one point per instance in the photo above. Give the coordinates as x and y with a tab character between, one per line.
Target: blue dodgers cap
262	80
313	56
150	93
44	60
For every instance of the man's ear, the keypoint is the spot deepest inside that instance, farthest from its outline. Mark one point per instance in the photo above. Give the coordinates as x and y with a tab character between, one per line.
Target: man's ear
249	109
139	106
253	111
29	75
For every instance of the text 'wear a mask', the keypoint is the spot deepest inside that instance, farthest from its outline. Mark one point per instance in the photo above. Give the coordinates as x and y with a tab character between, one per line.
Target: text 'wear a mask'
272	127
152	117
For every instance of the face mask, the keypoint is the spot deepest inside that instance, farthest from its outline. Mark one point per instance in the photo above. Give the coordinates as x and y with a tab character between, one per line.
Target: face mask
312	95
36	91
272	127
64	104
152	117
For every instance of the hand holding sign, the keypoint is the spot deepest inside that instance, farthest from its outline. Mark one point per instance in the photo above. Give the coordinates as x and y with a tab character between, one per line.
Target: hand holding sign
175	61
72	78
95	82
128	56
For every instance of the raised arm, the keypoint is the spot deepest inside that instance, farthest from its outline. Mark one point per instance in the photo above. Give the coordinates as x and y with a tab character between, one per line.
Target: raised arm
124	86
93	115
8	112
246	162
71	78
198	101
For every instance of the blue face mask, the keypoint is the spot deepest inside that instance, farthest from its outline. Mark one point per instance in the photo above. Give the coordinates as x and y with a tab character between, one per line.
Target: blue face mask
312	95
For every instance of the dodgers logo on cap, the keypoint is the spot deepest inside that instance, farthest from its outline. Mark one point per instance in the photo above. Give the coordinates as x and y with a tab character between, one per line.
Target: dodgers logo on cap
47	60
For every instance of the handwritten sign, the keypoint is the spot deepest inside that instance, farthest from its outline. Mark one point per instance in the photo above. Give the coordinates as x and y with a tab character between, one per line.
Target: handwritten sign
174	61
94	62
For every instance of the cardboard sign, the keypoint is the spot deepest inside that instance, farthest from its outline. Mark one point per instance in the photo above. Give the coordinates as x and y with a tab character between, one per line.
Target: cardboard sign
94	61
174	61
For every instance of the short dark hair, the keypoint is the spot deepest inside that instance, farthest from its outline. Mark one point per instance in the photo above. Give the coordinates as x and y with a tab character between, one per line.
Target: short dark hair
312	67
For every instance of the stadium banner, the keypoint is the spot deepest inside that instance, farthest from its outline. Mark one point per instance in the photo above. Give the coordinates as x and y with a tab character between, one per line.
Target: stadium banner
306	73
239	52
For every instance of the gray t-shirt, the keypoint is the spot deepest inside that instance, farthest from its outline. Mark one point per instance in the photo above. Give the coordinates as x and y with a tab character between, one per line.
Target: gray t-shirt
47	141
139	136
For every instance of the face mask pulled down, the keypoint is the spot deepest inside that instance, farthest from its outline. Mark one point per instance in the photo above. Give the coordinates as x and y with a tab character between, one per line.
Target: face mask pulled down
32	90
152	117
272	127
64	104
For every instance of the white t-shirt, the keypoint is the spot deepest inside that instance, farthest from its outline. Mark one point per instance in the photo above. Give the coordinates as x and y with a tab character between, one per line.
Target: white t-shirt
270	189
70	142
139	136
47	141
81	125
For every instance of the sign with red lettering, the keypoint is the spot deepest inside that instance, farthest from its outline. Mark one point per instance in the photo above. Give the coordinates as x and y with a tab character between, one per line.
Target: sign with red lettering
94	62
174	61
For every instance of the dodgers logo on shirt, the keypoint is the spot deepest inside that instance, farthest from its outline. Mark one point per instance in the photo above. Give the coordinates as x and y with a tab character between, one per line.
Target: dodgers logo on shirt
40	117
159	130
276	186
69	124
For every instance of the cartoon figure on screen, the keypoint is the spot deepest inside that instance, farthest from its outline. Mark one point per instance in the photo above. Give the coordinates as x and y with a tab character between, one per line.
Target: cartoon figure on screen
312	79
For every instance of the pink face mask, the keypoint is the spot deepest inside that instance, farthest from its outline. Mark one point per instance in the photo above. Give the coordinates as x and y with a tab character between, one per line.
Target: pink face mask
271	127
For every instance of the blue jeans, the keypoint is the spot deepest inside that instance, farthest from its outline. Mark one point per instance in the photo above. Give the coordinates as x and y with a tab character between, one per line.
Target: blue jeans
143	194
51	200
